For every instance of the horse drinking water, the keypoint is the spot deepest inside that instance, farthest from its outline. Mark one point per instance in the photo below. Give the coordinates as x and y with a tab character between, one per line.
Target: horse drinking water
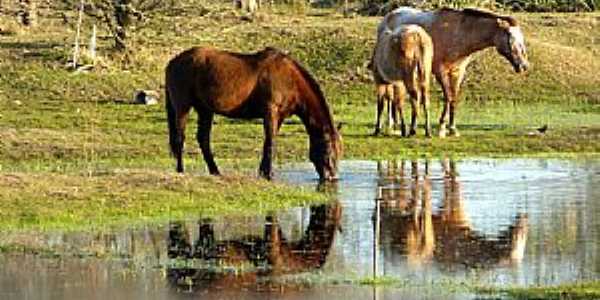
456	35
267	84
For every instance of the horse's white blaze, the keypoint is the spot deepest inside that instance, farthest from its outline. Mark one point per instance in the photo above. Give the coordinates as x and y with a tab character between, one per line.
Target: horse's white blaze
517	34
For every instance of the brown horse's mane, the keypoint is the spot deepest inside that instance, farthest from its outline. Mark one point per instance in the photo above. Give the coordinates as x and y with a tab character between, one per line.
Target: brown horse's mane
314	85
482	14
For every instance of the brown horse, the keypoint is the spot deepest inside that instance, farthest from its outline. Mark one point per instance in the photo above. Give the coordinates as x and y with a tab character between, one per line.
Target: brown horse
456	35
267	84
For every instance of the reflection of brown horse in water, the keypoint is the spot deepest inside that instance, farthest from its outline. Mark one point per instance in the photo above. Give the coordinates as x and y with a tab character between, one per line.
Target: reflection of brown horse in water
447	237
272	254
267	84
456	35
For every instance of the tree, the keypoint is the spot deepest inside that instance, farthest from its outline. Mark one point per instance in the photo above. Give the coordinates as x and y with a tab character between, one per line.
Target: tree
119	16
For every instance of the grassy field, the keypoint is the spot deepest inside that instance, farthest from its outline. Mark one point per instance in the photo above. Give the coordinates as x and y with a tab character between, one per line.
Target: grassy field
75	151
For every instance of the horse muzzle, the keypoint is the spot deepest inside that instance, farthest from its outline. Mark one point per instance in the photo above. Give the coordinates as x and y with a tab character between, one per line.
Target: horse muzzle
521	67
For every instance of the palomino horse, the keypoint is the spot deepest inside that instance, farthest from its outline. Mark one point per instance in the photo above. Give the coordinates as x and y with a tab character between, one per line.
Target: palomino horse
267	84
403	58
456	35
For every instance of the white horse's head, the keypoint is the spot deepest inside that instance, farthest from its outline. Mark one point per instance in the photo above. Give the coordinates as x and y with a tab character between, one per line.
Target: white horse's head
510	43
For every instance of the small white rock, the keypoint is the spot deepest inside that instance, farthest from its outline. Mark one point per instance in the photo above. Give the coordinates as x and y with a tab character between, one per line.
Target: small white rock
146	97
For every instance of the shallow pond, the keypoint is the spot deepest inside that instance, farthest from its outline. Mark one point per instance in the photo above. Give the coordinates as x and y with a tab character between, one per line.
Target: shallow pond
426	226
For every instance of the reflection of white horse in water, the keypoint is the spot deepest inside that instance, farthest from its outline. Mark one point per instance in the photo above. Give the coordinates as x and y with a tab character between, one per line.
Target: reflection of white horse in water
446	237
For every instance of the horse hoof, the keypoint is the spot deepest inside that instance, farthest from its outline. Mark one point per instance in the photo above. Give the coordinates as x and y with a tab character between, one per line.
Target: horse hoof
396	133
442	133
454	133
375	133
266	175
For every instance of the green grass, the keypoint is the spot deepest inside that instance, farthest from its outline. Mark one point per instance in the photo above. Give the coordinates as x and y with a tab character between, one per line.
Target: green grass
580	291
129	197
83	154
584	290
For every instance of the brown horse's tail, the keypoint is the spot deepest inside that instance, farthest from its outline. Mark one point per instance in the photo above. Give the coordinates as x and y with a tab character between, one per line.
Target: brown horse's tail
172	121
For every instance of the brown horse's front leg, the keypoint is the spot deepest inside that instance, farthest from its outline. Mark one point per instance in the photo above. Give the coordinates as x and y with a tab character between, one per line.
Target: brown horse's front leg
271	125
205	120
456	78
448	97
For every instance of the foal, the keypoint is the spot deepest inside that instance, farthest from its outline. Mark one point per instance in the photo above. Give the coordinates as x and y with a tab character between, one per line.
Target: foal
402	62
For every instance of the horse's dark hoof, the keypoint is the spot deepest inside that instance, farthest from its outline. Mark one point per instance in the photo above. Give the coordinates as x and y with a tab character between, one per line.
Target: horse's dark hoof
265	175
454	133
412	133
179	169
376	133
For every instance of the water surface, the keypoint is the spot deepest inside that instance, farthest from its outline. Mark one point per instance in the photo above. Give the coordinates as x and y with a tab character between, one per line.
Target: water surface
421	223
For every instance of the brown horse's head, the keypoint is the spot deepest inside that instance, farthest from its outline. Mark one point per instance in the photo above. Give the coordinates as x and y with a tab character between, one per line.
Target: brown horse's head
324	154
510	43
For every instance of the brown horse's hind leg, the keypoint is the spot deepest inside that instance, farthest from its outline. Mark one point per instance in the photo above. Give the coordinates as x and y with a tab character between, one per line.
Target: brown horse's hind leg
205	120
271	126
177	118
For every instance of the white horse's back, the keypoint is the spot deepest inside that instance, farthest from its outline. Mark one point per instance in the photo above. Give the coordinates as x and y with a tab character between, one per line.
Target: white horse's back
406	15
